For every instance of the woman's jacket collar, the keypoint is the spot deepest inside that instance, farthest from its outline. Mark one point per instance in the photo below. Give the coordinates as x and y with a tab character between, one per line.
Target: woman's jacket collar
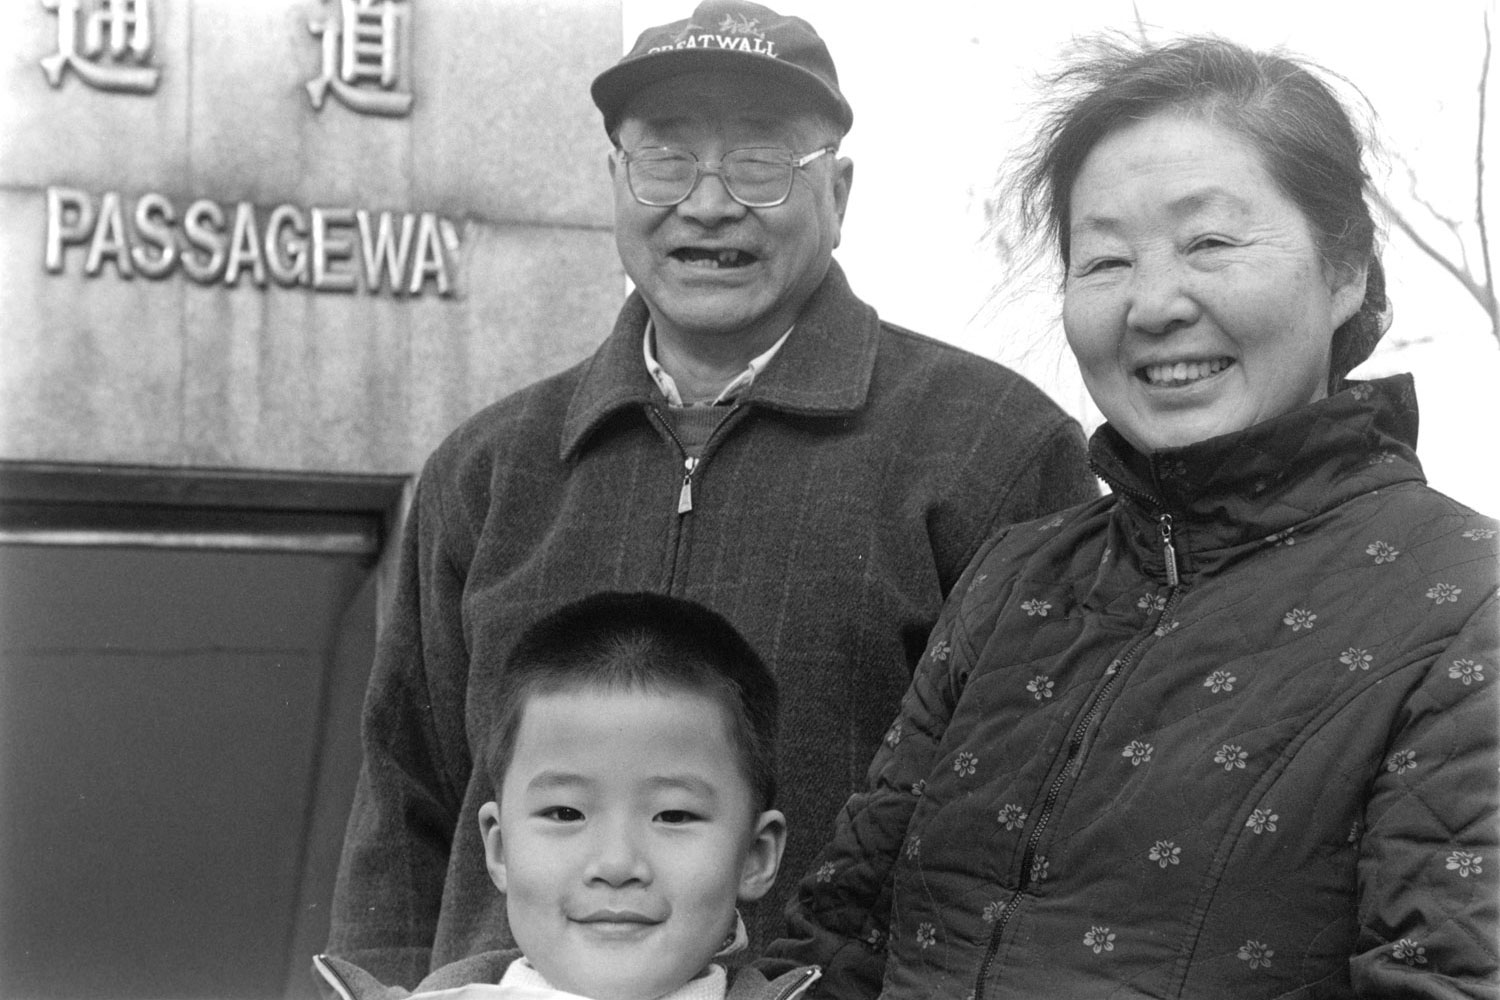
1265	479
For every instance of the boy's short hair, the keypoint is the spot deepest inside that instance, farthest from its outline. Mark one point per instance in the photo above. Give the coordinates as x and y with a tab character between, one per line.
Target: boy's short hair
633	642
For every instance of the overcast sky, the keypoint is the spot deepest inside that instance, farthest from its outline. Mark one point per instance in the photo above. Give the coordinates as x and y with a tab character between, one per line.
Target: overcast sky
940	91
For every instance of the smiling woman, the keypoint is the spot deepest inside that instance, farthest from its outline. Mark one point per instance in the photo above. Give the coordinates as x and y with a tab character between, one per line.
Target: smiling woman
1197	300
915	238
1265	646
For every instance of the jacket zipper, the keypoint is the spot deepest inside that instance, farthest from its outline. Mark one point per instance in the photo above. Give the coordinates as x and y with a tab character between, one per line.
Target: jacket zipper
685	495
1077	740
1163	520
809	975
1168	551
689	463
332	977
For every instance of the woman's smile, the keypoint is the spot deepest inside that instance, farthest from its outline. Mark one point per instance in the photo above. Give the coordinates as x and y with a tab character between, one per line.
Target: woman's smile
1197	301
1172	375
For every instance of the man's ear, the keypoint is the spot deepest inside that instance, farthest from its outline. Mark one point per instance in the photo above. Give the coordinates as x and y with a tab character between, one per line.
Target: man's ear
843	180
494	853
610	159
764	856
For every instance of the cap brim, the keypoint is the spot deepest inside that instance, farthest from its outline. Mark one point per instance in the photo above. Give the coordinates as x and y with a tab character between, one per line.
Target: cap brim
613	89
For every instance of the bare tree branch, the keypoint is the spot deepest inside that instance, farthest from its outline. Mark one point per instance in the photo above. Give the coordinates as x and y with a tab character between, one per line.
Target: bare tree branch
1413	192
1481	294
1140	25
1484	232
1454	226
1481	286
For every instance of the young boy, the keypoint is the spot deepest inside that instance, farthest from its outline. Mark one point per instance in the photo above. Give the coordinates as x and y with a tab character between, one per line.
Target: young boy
633	761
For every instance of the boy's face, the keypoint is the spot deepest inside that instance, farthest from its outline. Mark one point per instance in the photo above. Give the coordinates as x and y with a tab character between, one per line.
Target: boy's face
624	834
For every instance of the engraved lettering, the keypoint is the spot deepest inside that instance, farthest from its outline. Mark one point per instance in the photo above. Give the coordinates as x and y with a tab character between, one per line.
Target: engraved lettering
363	51
429	261
70	220
244	248
109	242
287	230
203	225
153	228
329	248
384	247
112	52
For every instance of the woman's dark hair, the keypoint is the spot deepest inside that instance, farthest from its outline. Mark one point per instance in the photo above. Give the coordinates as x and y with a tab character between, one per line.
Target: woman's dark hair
1304	134
640	642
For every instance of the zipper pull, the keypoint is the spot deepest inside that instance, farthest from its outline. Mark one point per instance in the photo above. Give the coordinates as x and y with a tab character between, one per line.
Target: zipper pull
1164	523
808	976
685	497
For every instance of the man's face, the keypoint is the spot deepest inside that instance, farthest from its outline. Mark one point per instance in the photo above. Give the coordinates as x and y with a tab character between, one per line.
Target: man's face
715	274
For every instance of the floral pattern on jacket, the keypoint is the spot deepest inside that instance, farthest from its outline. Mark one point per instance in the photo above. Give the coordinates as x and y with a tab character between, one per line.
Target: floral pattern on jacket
1276	778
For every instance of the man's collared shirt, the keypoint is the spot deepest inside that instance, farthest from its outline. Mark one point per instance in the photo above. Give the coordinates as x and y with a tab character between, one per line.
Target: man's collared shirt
737	385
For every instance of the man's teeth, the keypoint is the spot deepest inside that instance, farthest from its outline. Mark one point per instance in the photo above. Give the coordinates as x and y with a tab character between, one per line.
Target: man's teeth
714	258
1184	371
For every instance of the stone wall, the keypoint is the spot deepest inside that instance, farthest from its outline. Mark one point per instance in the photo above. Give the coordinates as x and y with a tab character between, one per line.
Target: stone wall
200	268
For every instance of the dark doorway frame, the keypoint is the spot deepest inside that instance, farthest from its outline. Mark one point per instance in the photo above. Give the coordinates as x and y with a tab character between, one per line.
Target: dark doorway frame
64	503
250	511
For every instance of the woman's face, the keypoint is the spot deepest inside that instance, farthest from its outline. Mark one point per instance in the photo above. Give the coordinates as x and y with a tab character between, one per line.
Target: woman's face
1196	300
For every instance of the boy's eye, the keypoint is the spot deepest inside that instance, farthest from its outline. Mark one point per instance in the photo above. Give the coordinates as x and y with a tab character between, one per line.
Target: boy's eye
675	817
561	814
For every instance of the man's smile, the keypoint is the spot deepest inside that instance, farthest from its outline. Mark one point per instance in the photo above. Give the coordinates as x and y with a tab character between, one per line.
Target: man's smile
708	257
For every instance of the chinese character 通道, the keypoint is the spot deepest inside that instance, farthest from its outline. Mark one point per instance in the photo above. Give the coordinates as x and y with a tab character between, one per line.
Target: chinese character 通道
361	65
106	42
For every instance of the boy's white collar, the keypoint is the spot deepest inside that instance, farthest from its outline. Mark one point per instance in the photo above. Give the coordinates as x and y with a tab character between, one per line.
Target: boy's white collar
522	982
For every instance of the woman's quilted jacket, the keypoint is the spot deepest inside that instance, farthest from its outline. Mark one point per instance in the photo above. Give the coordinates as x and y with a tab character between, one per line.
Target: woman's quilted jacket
1229	732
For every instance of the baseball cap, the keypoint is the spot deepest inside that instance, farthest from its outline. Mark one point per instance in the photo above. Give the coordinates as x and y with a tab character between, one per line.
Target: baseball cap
726	36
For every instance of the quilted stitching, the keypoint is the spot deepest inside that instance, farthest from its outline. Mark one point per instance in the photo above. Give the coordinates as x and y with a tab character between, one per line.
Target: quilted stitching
1280	773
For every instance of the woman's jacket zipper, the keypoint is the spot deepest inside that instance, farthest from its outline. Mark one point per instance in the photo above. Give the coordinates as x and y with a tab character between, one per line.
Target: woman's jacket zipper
1080	733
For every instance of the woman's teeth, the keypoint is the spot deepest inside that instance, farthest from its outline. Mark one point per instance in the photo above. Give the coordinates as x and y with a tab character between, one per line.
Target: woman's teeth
1183	372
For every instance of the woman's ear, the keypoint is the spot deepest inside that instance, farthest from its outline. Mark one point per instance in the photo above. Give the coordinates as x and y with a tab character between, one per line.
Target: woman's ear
1348	288
494	850
763	857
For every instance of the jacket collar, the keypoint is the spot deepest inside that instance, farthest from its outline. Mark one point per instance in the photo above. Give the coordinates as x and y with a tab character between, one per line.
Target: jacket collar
823	370
1270	477
349	982
752	984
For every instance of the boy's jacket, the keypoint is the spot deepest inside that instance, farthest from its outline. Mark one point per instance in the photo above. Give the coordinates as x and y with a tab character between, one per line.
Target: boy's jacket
474	978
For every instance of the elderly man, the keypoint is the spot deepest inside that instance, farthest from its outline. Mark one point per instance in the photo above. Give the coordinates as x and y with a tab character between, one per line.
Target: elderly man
751	436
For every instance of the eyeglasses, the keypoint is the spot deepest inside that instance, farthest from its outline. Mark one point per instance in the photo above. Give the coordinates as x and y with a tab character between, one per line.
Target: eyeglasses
756	177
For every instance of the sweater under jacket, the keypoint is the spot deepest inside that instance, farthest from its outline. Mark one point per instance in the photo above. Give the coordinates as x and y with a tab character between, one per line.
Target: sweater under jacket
1277	778
831	512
